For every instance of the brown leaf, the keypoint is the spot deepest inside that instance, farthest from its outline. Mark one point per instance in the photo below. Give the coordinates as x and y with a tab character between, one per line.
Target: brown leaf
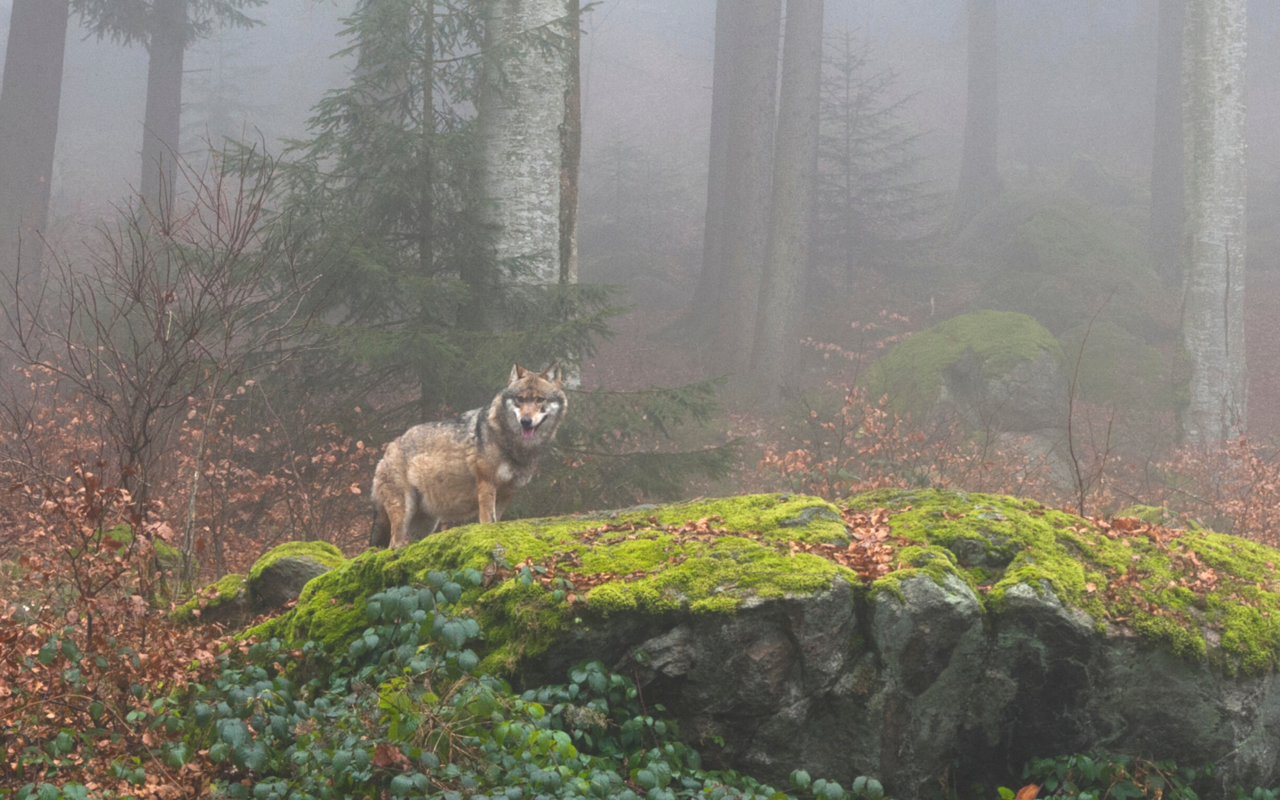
1027	792
388	757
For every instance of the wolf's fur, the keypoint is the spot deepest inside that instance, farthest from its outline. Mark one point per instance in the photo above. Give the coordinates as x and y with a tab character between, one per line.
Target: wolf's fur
467	467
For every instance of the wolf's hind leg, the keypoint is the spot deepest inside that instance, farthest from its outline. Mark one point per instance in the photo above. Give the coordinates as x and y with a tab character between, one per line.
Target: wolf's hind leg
380	535
423	526
419	523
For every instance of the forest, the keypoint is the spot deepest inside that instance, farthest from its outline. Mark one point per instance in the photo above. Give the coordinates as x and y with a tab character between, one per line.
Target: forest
787	247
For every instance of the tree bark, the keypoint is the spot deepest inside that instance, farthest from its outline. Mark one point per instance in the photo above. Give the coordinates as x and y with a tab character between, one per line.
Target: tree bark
1214	241
1166	147
571	149
162	120
791	212
728	14
28	128
427	221
747	189
522	109
979	177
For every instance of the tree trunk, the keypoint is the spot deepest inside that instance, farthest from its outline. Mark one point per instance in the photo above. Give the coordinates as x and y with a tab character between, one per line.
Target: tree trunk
747	190
28	128
795	169
979	178
728	14
1213	299
162	121
571	150
522	108
426	213
1166	147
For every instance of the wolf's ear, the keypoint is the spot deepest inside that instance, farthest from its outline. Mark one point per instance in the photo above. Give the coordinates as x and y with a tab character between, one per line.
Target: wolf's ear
553	373
517	372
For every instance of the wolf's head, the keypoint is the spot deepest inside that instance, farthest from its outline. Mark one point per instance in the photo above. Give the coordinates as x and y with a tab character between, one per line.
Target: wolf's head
533	402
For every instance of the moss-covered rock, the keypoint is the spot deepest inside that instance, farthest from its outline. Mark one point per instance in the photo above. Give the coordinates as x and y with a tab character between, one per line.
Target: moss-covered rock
653	561
274	579
1184	589
278	577
1193	591
987	359
320	552
1063	262
225	600
884	638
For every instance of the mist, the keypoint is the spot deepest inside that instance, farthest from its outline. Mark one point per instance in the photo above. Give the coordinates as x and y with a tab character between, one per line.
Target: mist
964	313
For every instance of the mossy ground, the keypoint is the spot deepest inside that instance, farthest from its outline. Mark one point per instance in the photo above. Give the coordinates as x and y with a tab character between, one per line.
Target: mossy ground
911	374
650	560
1185	589
1190	591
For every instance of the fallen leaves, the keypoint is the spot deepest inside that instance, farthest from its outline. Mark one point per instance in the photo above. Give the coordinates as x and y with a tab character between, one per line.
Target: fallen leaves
868	553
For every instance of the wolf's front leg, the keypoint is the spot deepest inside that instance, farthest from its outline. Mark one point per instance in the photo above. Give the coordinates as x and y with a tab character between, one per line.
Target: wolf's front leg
488	497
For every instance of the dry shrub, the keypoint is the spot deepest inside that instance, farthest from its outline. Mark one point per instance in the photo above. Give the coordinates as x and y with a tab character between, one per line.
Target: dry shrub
1234	490
265	481
865	447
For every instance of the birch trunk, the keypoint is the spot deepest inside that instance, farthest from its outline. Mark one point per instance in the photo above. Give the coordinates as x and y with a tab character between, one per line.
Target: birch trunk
979	177
571	148
747	189
1214	238
28	127
795	169
162	120
521	112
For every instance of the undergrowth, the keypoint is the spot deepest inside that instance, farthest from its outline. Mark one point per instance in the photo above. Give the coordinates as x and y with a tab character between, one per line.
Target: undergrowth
404	712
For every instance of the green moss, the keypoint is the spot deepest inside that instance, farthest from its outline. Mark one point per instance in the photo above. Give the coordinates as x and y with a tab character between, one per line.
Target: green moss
123	535
320	552
665	568
936	562
225	589
911	374
1154	515
1174	590
1196	593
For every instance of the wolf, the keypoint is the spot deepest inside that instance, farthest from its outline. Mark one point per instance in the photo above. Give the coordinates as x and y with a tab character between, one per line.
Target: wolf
467	467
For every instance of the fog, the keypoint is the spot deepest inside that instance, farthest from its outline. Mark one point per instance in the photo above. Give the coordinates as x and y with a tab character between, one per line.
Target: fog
1076	78
935	300
1063	231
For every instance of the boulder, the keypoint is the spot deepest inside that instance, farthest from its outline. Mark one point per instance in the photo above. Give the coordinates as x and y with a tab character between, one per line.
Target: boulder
275	580
278	577
225	601
924	636
998	371
1065	261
